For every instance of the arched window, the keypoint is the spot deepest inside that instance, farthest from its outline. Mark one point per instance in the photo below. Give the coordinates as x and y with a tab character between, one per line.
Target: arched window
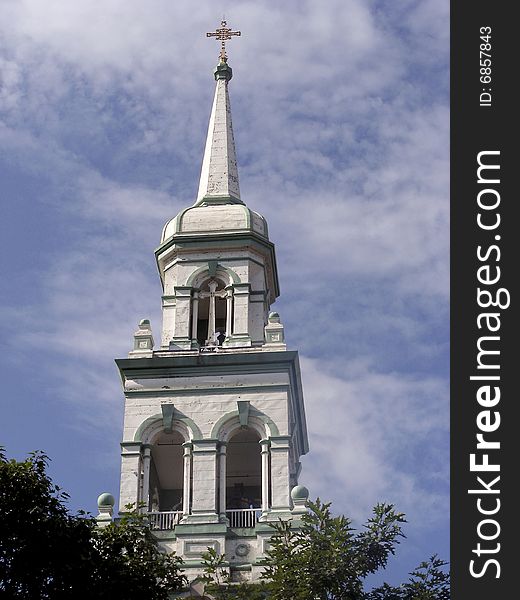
211	319
244	471
166	478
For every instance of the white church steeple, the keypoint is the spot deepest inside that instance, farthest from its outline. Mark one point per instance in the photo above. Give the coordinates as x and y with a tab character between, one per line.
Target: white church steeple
219	174
214	423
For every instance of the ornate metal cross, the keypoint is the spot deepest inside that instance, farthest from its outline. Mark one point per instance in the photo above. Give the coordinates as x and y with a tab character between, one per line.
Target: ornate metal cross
223	33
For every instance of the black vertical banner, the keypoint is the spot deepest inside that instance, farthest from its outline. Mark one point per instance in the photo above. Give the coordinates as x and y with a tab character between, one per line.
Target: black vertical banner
485	332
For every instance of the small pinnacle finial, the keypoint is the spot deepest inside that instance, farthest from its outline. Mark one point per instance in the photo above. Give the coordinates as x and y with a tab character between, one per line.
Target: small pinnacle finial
222	34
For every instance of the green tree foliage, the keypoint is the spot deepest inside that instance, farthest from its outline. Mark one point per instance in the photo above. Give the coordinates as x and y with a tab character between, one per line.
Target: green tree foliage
131	565
326	559
427	582
44	551
47	553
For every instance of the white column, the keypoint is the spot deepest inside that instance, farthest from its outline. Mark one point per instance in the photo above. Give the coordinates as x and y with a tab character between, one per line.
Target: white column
222	480
186	489
229	312
211	316
194	316
265	477
147	455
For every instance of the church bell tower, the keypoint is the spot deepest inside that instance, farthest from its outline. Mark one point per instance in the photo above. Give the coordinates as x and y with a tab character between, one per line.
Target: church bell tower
214	421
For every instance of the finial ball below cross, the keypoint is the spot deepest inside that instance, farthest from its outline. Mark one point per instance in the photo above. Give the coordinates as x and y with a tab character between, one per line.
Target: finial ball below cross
222	34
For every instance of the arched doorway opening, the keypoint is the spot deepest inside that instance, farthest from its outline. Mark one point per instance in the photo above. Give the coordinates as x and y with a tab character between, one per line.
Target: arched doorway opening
243	478
165	497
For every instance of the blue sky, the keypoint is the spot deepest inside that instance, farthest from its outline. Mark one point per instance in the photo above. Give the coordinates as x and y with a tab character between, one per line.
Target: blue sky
341	119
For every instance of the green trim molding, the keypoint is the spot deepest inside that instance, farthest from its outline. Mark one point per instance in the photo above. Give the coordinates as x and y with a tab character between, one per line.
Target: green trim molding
235	414
211	268
159	418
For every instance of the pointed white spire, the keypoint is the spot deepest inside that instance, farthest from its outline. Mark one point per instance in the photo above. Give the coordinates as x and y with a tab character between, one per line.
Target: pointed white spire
219	175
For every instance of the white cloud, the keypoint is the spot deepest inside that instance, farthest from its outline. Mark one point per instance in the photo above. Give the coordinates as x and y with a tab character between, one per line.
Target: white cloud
376	437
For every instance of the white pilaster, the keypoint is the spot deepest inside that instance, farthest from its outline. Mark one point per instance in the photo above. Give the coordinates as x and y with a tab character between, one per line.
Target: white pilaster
222	480
181	331
280	473
241	309
204	482
229	312
265	477
240	336
194	316
130	475
145	497
186	489
168	328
